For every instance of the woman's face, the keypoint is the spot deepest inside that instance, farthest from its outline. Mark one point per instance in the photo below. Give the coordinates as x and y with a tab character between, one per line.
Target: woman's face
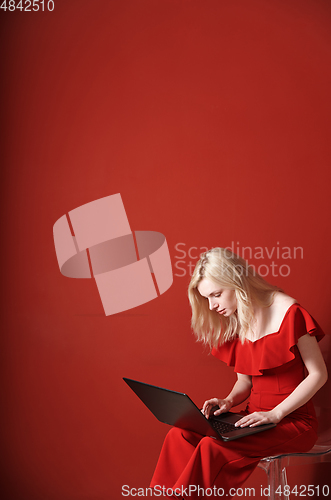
222	300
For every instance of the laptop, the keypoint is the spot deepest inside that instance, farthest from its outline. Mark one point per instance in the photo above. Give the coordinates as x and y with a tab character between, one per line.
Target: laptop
177	409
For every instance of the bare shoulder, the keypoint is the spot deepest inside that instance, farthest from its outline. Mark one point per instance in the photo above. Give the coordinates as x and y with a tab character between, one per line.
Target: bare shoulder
282	301
280	305
269	319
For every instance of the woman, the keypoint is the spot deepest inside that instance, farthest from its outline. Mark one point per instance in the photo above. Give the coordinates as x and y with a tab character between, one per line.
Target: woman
272	343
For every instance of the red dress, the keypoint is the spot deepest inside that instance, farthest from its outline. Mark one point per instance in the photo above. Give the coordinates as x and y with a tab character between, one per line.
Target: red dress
276	367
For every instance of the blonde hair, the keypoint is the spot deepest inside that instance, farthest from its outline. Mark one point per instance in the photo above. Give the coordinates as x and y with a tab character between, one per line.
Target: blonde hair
227	270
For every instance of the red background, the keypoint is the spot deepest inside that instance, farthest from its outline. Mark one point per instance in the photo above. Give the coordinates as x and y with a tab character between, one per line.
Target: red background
212	119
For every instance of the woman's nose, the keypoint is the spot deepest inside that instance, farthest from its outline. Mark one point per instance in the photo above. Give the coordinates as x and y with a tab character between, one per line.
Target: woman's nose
212	304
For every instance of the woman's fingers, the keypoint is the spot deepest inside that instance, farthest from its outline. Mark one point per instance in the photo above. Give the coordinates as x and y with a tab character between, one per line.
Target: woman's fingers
252	420
222	408
215	406
260	422
208	405
244	422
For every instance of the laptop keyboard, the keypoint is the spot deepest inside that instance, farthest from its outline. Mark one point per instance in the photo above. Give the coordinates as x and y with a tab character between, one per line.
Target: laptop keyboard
223	427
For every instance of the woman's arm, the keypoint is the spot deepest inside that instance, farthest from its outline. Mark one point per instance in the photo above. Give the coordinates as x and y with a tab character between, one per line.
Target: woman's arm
241	390
316	378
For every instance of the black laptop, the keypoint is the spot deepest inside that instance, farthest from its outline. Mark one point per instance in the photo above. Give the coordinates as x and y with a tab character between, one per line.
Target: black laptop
177	409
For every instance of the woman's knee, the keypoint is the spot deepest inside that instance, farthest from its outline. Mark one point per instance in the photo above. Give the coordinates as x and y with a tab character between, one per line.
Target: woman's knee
177	434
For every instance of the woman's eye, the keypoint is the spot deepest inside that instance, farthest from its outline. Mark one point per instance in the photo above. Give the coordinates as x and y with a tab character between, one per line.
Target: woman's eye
217	294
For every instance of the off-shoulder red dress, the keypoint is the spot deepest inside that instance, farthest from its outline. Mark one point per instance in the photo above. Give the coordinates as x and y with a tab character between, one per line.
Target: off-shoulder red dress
276	367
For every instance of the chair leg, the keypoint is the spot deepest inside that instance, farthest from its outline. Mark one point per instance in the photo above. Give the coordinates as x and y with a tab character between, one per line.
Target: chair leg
284	484
277	481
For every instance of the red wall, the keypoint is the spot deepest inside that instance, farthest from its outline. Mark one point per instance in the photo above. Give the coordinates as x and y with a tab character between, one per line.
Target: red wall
212	119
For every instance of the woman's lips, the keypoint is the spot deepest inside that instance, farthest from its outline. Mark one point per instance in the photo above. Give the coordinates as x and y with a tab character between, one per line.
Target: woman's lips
222	311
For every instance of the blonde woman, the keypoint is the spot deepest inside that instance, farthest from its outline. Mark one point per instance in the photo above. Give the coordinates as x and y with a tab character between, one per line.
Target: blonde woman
272	343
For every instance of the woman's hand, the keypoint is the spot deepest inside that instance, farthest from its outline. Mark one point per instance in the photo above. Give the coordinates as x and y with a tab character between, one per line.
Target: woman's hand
224	405
258	418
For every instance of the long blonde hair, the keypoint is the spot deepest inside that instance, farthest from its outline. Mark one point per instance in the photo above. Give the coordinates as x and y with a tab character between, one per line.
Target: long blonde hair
227	270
